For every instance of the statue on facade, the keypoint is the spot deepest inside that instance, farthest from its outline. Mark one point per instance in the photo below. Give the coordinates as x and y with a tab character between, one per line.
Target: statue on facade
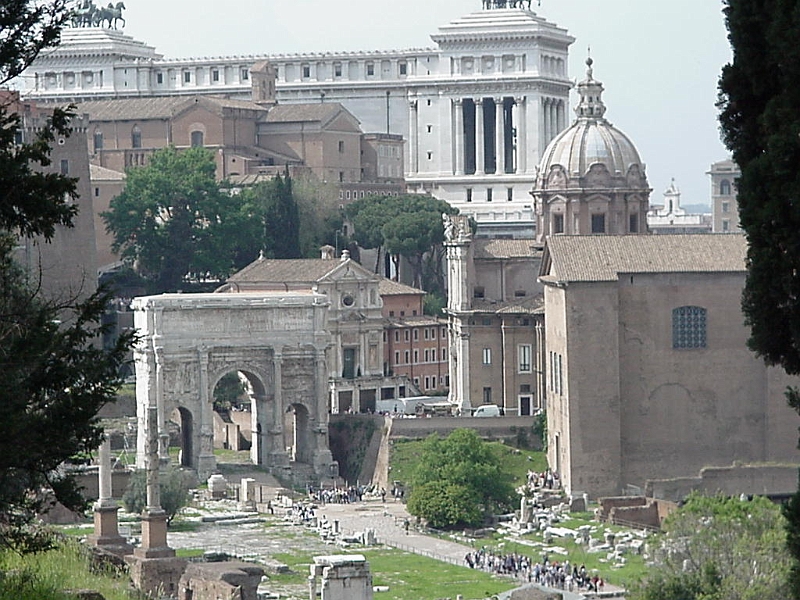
88	15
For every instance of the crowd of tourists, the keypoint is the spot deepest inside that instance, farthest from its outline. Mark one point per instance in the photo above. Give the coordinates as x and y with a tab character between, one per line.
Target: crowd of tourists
553	574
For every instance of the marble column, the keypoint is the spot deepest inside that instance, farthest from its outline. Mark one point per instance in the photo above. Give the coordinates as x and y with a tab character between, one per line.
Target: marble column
480	145
106	531
206	462
458	113
413	137
500	146
522	133
553	120
163	435
277	453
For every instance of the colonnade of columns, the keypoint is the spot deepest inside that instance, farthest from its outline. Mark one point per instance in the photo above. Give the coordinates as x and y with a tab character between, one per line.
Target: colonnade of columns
554	119
488	135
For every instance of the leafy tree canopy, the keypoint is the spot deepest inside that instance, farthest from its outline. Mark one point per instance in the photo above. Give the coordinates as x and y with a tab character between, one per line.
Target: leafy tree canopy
173	223
459	481
718	548
55	375
174	485
409	226
271	219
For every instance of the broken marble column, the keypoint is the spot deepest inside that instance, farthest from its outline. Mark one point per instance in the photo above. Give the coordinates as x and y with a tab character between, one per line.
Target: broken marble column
106	531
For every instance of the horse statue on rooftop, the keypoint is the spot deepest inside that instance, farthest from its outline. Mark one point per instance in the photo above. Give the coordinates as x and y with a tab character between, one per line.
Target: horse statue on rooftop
83	16
490	4
110	14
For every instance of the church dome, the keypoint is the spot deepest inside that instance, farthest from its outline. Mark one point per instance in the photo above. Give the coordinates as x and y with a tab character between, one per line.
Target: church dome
591	140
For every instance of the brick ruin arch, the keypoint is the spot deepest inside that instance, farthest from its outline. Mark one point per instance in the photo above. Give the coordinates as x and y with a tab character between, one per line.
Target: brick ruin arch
188	342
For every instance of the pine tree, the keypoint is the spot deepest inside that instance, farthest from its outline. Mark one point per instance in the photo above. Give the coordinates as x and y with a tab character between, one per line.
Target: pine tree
759	96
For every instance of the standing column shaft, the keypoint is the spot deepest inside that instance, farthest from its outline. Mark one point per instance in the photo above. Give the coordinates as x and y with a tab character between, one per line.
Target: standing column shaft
500	146
413	137
104	459
458	110
480	145
277	417
152	463
522	134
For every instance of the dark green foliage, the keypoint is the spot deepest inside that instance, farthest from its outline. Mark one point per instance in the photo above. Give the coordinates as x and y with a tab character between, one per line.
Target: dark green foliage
228	392
174	485
349	439
791	512
459	481
26	28
173	223
434	304
759	96
55	380
409	226
272	221
720	548
540	428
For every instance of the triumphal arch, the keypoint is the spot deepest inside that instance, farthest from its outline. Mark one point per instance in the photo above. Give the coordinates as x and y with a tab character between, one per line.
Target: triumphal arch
276	340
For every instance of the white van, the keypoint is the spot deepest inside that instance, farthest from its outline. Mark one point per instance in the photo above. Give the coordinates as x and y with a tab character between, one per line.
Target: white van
488	410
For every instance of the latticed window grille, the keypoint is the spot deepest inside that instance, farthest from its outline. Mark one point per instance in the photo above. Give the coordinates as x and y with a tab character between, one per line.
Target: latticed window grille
689	327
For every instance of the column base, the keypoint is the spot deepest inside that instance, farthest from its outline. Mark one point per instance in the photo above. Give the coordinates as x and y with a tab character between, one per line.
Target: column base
154	536
106	533
206	466
156	577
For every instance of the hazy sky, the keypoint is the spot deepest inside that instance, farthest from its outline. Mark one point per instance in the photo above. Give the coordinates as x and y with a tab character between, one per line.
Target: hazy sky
658	59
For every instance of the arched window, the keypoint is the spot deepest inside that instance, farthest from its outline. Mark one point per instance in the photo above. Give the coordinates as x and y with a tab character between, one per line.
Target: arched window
197	139
689	327
98	140
724	188
136	137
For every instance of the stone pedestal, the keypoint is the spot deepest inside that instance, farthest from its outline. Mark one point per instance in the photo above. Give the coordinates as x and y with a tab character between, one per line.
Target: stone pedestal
344	577
156	577
154	536
106	533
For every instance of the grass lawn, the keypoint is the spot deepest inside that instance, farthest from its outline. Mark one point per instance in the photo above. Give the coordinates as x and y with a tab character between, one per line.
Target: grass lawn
408	576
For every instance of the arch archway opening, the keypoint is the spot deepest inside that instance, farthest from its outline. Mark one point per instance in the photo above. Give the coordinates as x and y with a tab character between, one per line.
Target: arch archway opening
184	419
298	438
242	417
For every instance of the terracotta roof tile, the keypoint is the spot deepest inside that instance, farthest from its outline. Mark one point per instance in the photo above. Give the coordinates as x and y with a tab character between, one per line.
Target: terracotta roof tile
496	249
387	287
604	257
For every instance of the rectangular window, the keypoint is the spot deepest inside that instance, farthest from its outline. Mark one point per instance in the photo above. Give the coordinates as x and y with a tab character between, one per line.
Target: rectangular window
478	291
341	147
407	335
416	357
633	223
64	166
599	223
427	335
433	355
403	68
96	192
337	69
487	356
341	176
443	354
187	77
726	225
524	356
489	193
245	74
433	333
397	358
509	194
407	356
427	355
306	71
396	336
370	69
416	334
215	75
427	382
487	395
726	207
689	327
159	78
469	194
444	333
558	223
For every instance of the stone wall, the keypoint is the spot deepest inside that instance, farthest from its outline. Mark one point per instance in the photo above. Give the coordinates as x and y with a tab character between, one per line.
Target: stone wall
771	480
506	428
210	581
